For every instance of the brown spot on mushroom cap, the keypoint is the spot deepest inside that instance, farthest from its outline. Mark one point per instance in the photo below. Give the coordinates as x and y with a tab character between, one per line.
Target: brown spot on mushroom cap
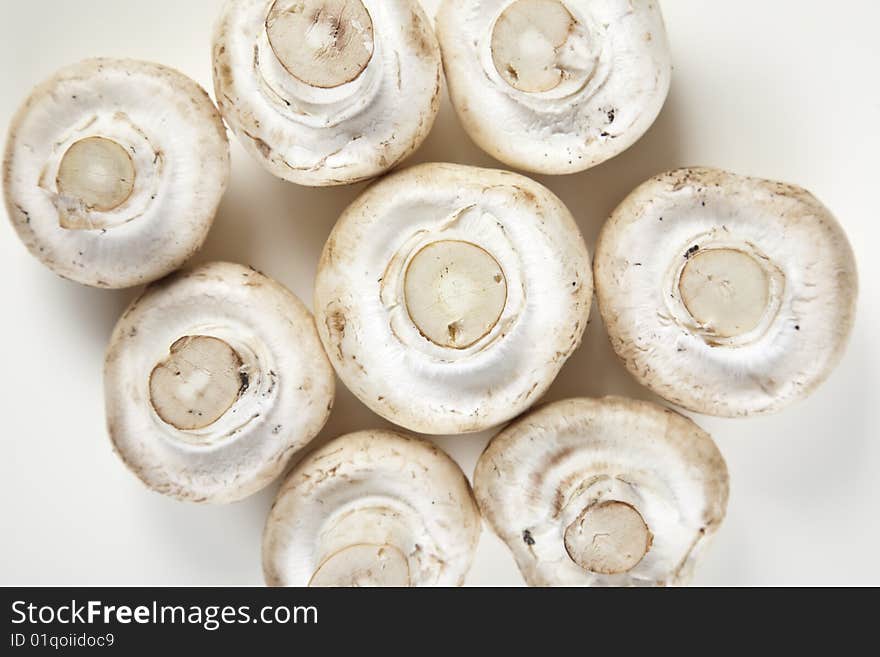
262	147
337	322
421	35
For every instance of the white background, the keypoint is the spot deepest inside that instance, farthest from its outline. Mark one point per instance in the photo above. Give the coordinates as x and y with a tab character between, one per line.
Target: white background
787	90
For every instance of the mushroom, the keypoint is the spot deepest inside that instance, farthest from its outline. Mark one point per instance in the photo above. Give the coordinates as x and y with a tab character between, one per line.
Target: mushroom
113	171
372	508
448	297
214	378
603	492
555	86
726	295
327	92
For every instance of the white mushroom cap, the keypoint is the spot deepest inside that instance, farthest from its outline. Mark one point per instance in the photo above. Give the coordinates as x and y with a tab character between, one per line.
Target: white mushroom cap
723	294
373	508
114	170
214	378
593	492
448	297
555	86
327	92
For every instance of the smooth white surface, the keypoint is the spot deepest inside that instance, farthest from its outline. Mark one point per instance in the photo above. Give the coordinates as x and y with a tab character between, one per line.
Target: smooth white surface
784	89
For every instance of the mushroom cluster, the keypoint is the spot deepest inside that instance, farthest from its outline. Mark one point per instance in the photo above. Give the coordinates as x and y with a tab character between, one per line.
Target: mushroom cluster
447	297
113	171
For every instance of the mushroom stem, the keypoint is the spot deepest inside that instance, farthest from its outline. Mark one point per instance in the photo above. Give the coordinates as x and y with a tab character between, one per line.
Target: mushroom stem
99	173
608	538
363	565
725	290
455	293
198	382
323	43
528	40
